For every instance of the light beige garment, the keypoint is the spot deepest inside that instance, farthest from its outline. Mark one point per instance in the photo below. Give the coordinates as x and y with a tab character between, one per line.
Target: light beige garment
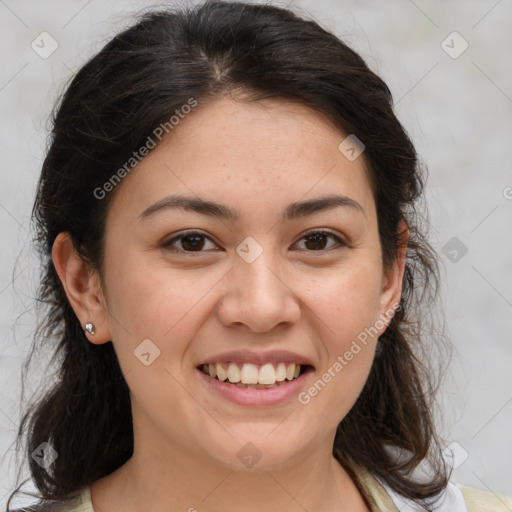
476	499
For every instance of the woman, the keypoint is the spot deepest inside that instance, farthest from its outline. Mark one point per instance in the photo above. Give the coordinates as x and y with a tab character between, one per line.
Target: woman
233	271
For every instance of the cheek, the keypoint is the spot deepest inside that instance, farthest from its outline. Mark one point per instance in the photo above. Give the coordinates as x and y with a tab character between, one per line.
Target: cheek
153	303
346	306
148	301
346	301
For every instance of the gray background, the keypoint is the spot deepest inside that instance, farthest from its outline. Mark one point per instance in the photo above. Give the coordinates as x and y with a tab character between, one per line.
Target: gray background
458	112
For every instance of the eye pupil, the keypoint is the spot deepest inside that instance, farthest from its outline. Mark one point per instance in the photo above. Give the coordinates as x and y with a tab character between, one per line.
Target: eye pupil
197	244
315	237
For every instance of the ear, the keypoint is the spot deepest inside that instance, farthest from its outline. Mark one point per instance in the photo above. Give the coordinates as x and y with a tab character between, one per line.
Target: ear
392	279
83	288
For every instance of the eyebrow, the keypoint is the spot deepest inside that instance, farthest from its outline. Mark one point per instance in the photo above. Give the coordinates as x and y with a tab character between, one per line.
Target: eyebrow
212	209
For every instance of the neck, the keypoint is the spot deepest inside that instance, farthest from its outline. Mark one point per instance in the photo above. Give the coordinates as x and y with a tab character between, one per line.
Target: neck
169	474
172	479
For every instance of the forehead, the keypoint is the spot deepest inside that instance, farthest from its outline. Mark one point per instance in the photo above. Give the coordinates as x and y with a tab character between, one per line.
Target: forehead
259	153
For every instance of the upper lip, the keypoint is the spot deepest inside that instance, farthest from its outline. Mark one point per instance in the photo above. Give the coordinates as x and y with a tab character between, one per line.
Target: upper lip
250	356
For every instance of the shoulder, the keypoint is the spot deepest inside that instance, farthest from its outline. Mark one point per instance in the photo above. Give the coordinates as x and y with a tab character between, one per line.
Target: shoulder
455	498
484	501
79	501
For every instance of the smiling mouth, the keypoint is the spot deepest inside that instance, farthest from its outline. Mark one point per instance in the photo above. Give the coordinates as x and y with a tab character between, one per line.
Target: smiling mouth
248	375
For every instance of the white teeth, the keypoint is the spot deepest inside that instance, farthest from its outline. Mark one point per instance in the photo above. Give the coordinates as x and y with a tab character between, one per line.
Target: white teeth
290	372
222	374
233	373
251	374
267	374
281	372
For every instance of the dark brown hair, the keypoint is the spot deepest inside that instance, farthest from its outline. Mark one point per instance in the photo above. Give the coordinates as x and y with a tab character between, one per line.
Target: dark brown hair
112	105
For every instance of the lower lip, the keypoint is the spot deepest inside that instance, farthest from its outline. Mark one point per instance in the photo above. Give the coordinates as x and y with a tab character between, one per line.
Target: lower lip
255	397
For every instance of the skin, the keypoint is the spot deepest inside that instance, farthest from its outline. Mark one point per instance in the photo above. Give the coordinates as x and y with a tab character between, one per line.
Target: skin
257	158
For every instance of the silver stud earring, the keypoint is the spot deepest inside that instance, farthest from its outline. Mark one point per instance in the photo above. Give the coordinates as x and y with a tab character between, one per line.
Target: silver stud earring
89	328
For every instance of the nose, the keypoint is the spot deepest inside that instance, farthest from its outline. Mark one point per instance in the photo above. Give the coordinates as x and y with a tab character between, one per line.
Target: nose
259	296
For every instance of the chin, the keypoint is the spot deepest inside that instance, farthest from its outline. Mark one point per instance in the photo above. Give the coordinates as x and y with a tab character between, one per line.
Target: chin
256	452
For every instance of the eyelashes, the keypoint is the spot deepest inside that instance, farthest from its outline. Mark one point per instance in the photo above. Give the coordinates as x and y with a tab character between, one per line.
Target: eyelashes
190	235
313	235
193	242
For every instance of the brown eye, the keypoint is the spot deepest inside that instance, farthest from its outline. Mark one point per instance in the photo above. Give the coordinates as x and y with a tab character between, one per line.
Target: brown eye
192	241
317	240
195	241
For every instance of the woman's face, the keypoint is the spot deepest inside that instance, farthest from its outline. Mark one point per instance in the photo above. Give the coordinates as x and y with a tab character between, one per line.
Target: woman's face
272	276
